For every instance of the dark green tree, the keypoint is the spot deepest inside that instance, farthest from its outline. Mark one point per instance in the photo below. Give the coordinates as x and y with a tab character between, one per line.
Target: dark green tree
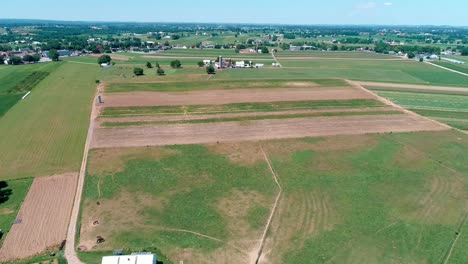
176	64
265	50
201	64
104	59
138	71
160	71
53	55
28	58
36	57
464	51
149	65
210	69
411	55
15	60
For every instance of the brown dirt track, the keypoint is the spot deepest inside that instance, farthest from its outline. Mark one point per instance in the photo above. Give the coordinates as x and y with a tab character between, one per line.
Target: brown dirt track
258	130
44	216
231	96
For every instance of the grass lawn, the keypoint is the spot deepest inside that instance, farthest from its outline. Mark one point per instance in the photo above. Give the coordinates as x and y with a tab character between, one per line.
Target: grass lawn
178	86
45	133
347	199
237	107
12	194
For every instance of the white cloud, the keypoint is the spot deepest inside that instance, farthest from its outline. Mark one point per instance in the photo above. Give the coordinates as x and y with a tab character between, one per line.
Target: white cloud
388	4
368	5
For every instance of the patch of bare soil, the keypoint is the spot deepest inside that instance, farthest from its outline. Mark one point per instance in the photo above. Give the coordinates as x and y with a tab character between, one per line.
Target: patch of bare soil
241	153
103	217
43	218
259	130
234	208
231	96
113	160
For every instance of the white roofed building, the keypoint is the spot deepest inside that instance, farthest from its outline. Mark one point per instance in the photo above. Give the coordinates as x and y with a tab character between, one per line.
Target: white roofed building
140	258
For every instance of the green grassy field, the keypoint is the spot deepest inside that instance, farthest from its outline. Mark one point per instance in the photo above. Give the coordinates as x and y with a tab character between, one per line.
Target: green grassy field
237	107
45	133
17	80
380	71
12	194
347	199
451	108
220	85
453	66
191	188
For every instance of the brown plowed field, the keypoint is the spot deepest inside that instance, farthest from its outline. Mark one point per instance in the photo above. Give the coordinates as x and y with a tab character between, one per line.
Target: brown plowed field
43	218
231	96
258	130
195	116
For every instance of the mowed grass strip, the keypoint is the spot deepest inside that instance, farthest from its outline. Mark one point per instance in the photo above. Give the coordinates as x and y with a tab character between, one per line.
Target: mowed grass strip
219	85
45	134
248	118
237	107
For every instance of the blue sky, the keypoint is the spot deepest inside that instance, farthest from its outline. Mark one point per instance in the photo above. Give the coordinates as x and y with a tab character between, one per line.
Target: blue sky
407	12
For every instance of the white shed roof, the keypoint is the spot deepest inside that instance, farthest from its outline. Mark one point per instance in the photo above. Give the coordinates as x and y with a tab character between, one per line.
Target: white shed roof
130	259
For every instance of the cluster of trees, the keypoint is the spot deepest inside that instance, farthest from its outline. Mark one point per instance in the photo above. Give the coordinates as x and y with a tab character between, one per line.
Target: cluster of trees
382	47
15	60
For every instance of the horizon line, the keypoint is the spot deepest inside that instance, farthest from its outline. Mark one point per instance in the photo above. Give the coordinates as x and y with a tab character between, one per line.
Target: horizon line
225	23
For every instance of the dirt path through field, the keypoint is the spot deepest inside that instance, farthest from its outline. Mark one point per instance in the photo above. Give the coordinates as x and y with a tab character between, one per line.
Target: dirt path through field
256	256
43	218
158	135
231	96
70	253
